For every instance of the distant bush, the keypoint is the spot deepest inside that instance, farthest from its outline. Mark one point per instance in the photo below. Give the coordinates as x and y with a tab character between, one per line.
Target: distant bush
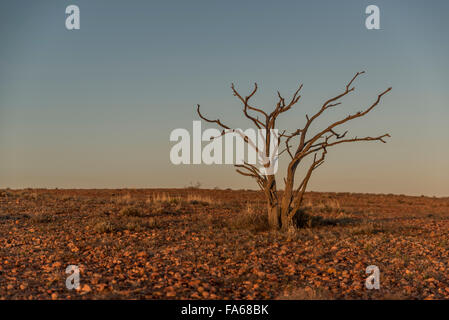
193	186
104	227
194	198
125	199
42	218
130	212
152	223
139	224
159	199
164	198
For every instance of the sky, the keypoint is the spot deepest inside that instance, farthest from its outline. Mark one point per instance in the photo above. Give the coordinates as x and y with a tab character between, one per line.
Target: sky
94	108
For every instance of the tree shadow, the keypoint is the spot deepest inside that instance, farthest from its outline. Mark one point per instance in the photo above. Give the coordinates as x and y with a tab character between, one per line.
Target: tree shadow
303	219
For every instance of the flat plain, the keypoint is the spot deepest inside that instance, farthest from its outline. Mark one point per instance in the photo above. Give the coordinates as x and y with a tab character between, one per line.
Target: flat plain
214	244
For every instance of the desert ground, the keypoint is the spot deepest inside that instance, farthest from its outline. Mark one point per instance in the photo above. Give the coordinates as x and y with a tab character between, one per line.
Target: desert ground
214	244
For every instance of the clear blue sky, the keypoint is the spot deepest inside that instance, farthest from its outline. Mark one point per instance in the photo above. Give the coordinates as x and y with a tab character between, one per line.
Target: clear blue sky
95	107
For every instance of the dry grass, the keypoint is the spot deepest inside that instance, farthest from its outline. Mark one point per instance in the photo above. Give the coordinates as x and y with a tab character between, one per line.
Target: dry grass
122	200
163	198
130	212
323	206
154	243
252	219
195	198
104	227
192	198
42	218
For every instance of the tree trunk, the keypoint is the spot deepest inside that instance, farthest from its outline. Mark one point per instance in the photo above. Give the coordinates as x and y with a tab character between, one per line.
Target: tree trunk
279	218
286	220
274	213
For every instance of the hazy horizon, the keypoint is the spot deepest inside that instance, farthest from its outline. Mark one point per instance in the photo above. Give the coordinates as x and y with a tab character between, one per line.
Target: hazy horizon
94	108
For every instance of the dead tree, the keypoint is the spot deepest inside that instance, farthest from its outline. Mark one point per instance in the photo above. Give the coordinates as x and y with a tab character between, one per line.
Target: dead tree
282	207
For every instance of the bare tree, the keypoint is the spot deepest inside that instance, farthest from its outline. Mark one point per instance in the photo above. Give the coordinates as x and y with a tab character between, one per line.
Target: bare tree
282	207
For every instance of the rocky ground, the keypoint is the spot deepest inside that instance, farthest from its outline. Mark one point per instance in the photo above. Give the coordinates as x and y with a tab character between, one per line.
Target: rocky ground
214	244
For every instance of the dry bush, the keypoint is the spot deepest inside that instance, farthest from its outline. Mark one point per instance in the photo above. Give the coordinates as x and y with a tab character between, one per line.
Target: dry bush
194	198
324	206
66	197
164	198
251	219
163	203
34	196
130	212
191	198
133	225
153	223
104	227
303	219
157	207
368	228
130	223
231	205
42	218
5	193
121	200
326	212
139	224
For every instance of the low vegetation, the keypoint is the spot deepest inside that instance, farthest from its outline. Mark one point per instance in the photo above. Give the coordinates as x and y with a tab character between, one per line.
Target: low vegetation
214	244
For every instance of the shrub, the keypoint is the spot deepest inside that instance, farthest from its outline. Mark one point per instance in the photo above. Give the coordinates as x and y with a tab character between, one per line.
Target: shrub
152	223
104	227
250	220
139	224
42	218
193	198
125	199
130	212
